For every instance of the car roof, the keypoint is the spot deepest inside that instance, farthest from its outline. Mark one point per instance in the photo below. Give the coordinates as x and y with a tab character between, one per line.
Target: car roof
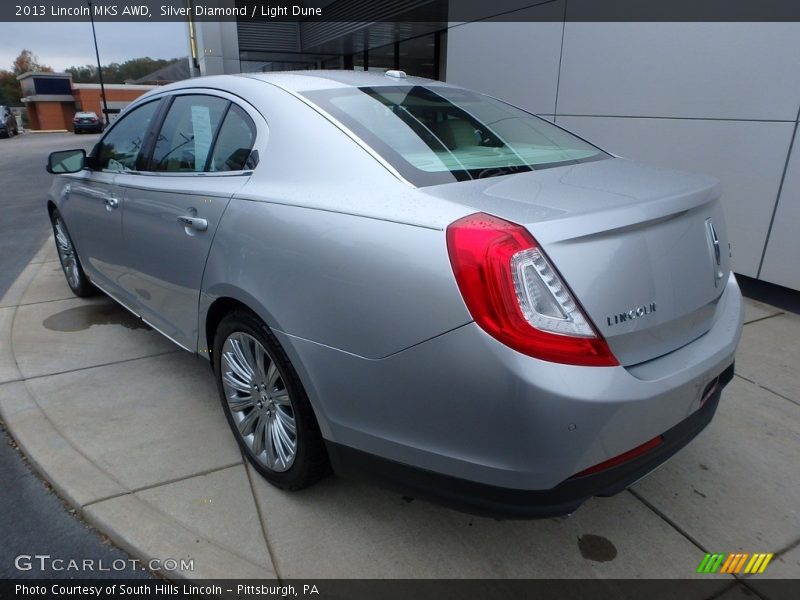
303	81
300	81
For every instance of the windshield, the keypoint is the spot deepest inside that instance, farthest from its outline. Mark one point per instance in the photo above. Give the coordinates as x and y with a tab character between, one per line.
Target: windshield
438	134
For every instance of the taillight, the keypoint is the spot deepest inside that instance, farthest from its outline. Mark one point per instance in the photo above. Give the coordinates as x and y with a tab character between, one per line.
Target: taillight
516	296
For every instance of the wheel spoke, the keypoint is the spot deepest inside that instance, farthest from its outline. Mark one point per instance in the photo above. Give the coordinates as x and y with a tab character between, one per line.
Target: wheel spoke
247	347
272	459
247	424
258	436
240	404
272	376
282	398
261	359
287	442
237	363
279	446
287	421
234	380
241	353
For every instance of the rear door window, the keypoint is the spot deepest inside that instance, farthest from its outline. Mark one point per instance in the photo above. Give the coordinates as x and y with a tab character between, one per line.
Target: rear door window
185	140
234	142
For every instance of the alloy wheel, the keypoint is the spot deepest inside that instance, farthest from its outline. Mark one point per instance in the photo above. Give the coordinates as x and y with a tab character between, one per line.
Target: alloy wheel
66	254
259	401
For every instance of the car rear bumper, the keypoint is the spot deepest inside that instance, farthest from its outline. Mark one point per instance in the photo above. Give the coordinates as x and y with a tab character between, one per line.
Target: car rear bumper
469	409
90	127
495	501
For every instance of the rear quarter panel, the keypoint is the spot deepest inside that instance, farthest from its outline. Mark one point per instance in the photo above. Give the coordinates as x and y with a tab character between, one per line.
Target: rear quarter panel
365	286
325	244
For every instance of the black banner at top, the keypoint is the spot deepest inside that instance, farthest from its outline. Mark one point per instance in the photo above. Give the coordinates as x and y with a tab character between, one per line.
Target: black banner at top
432	11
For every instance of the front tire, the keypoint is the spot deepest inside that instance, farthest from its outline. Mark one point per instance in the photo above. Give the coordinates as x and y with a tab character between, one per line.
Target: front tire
265	404
70	263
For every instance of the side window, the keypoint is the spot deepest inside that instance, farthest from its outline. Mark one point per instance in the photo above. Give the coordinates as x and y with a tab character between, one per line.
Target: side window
185	139
119	149
234	142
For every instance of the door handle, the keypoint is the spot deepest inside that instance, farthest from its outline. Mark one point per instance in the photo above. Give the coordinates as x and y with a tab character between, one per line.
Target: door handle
111	203
195	223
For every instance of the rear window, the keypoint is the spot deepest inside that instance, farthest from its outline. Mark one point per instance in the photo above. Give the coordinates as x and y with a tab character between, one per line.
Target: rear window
435	134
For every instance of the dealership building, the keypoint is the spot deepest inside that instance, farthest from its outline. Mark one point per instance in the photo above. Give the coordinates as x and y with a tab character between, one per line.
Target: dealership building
52	99
716	98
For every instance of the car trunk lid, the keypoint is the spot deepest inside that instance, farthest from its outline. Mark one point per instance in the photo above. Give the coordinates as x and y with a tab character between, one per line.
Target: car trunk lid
643	249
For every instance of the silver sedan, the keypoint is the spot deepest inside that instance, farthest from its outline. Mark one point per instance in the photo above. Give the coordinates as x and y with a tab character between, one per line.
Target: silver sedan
406	280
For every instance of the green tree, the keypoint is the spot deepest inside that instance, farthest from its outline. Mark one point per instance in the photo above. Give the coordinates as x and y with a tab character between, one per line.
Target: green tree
83	74
119	72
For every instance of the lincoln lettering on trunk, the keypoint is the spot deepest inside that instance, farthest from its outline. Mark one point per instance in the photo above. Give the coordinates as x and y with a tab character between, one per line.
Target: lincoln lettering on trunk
634	313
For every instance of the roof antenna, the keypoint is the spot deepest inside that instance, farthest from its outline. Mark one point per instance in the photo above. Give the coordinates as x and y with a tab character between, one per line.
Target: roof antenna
395	74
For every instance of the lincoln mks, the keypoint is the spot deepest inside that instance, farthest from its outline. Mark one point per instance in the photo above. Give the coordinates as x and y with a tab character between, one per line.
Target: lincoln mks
406	280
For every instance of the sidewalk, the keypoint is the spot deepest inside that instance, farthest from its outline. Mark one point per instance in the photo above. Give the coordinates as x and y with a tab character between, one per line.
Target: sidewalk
129	430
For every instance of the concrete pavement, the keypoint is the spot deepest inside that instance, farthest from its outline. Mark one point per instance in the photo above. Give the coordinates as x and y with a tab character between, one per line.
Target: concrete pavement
33	520
130	432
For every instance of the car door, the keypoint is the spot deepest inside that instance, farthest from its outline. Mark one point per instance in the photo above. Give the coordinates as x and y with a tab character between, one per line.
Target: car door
200	157
93	207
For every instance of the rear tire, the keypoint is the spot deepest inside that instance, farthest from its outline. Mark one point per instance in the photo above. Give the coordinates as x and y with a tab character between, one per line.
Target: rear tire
70	262
265	404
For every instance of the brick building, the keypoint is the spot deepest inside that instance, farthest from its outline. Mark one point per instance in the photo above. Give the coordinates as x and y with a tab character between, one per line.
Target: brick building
52	99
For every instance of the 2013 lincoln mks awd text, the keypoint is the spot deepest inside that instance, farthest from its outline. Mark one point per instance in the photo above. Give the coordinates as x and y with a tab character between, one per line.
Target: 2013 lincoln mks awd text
407	280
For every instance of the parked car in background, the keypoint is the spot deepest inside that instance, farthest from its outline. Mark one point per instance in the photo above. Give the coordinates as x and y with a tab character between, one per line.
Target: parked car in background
87	122
8	122
411	281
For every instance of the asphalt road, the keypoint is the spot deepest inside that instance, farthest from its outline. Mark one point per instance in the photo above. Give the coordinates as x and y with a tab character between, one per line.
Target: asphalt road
33	520
23	188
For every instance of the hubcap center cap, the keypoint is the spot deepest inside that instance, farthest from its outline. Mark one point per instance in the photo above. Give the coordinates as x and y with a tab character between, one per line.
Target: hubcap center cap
264	402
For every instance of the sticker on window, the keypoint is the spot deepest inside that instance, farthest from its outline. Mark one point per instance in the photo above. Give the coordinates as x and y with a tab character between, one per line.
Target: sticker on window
201	124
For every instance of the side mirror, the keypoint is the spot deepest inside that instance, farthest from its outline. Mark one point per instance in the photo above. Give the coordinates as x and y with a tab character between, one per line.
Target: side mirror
66	161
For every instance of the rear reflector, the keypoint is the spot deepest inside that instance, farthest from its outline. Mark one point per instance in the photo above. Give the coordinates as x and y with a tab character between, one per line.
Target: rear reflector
622	458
